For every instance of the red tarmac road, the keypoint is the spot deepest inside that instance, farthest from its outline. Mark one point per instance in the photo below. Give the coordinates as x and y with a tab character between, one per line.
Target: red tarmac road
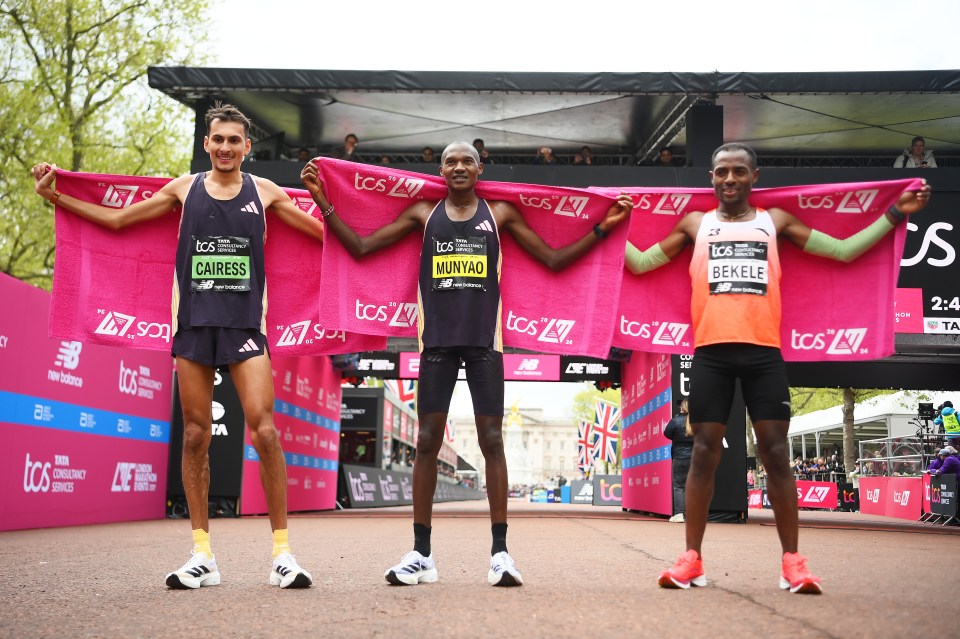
588	572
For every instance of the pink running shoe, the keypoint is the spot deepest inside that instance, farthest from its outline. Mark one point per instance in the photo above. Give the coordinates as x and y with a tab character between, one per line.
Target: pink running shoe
796	577
686	572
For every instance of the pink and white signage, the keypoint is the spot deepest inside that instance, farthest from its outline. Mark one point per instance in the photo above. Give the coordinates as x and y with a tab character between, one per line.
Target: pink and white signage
646	401
817	494
86	428
898	497
307	415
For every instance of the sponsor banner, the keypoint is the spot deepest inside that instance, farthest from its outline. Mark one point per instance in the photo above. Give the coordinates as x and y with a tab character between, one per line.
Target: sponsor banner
645	397
654	312
374	487
581	491
943	495
925	504
133	270
58	478
849	498
540	368
898	497
607	490
382	364
817	494
307	417
908	310
591	369
86	427
573	310
755	498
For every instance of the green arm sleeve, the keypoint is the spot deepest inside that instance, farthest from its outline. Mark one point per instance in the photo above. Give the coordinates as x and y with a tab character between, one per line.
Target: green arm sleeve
852	247
642	261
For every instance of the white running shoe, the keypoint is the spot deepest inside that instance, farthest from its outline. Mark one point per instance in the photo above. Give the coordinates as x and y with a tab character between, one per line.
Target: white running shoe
287	573
413	568
503	572
677	519
198	571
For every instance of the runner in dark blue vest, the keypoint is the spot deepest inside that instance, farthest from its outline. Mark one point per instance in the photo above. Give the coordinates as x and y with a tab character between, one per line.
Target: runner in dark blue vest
219	310
459	322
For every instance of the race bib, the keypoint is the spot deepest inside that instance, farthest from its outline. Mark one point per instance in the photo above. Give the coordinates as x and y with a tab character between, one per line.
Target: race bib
220	263
459	263
738	267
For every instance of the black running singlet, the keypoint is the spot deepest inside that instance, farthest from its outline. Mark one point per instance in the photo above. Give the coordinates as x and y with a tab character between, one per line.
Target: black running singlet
459	293
219	276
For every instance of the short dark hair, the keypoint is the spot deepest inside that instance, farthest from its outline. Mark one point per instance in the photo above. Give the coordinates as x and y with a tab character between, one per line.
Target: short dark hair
733	147
351	135
919	138
667	149
227	113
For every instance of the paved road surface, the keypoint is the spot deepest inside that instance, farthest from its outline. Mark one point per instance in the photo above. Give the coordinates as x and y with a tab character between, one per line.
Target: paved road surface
588	572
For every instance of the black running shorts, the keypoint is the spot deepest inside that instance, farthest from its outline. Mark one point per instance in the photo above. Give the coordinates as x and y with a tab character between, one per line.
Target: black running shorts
215	346
438	376
763	380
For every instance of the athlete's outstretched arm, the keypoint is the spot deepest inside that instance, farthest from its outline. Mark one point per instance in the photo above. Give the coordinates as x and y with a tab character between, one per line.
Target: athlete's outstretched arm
413	218
280	203
672	245
509	218
846	250
162	202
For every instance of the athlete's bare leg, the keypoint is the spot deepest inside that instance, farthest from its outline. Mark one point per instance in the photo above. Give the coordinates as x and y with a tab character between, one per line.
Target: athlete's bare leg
429	442
195	382
253	379
781	484
707	449
490	437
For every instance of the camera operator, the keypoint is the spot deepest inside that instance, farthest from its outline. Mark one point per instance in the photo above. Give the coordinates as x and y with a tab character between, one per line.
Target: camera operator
946	419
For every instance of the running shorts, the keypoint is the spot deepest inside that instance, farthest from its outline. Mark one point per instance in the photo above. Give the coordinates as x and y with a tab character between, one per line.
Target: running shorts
216	346
438	375
763	380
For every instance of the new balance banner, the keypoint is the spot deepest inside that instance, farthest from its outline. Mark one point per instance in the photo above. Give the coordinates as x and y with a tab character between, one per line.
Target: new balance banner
852	322
114	287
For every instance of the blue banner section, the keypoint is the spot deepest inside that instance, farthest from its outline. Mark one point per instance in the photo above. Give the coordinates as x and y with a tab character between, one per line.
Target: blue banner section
295	459
316	419
647	457
657	401
27	410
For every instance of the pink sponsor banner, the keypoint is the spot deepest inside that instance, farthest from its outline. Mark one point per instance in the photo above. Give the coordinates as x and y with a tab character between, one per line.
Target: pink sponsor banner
541	368
87	427
645	398
909	310
307	416
755	498
405	434
115	287
925	506
363	300
817	494
852	322
409	365
873	495
904	496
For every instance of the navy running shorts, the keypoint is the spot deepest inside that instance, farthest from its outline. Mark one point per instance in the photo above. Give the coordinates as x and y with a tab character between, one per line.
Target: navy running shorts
438	375
763	380
216	346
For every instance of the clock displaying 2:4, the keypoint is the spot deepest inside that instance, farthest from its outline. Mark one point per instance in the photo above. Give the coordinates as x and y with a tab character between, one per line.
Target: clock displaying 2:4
943	304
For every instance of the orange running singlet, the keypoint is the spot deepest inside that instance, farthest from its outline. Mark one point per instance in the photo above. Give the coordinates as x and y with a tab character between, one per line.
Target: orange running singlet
735	272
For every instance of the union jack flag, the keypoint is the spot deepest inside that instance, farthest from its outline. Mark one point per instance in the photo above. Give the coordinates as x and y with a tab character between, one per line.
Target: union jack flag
606	429
449	430
584	435
404	389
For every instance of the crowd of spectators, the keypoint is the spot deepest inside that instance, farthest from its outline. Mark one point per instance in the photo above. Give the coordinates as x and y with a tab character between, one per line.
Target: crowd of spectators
818	469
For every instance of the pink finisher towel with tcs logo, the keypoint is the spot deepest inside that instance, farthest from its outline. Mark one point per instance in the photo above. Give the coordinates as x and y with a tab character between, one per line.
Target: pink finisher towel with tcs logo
115	287
571	311
831	310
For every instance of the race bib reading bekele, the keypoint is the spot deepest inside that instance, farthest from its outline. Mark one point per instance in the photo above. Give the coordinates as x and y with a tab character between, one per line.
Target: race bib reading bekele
459	263
220	263
738	267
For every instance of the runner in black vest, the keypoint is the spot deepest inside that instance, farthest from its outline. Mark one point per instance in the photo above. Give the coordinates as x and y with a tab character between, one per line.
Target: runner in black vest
460	312
218	320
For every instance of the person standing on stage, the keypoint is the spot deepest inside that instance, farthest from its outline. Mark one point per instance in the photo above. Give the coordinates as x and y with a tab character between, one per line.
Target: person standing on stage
460	322
737	335
217	322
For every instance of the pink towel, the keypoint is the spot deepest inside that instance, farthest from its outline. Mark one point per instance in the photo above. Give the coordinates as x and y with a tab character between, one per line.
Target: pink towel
115	287
831	310
568	312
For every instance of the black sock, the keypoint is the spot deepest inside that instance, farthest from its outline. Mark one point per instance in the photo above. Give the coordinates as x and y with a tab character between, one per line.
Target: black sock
421	539
499	538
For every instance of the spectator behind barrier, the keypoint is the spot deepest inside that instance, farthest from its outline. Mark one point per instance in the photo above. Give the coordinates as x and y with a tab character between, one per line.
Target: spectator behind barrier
945	463
916	157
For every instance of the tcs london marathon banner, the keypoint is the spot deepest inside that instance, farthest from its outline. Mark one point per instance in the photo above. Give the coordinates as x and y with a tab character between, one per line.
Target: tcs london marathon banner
85	428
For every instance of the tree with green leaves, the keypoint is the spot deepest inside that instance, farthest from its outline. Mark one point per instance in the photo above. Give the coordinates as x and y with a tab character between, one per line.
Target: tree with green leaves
73	92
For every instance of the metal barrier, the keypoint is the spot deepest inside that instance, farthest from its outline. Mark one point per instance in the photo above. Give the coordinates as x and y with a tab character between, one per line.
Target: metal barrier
897	456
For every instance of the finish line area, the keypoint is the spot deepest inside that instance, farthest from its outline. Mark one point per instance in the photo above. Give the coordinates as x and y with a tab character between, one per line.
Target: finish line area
584	567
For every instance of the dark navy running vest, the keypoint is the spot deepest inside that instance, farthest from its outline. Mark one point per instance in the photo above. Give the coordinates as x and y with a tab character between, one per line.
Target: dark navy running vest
219	277
459	294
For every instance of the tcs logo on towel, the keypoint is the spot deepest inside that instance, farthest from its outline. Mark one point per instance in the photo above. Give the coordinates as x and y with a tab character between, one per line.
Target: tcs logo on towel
567	205
121	196
850	202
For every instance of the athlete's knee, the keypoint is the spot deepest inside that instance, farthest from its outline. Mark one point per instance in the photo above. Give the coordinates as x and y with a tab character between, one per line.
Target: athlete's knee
263	432
428	443
196	437
490	439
